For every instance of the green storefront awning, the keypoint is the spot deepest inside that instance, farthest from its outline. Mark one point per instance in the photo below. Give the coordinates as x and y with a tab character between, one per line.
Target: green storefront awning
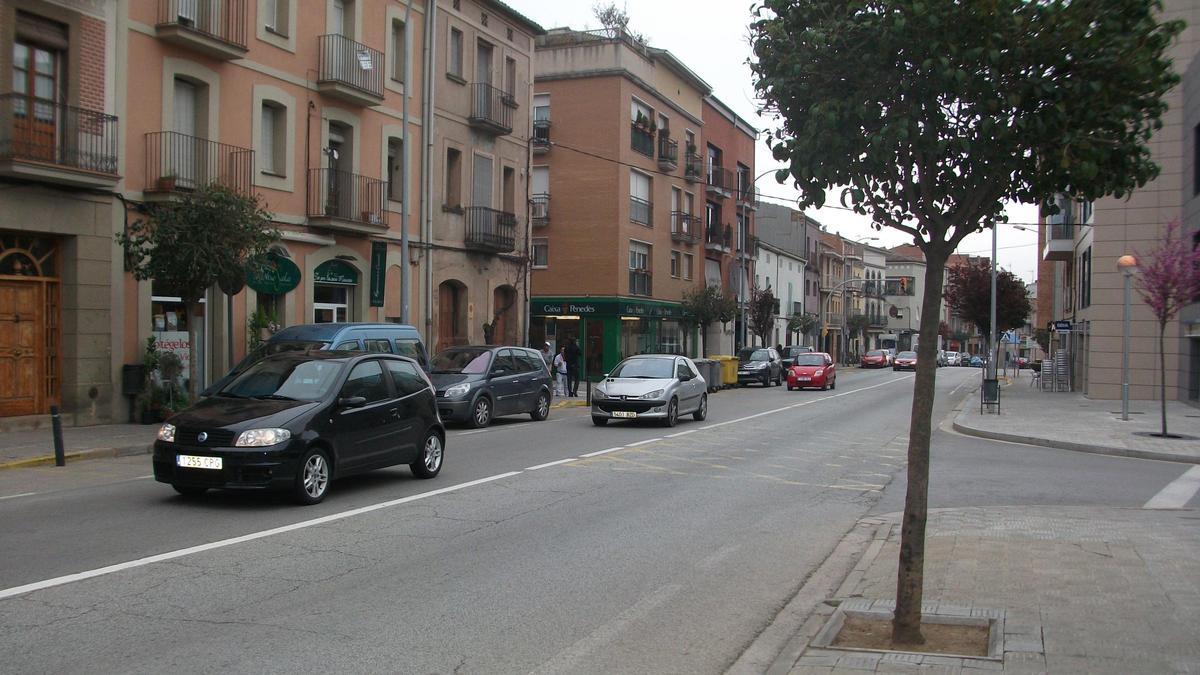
604	307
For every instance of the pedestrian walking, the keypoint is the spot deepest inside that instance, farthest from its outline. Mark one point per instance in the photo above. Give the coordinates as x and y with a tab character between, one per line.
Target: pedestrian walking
547	355
572	356
560	370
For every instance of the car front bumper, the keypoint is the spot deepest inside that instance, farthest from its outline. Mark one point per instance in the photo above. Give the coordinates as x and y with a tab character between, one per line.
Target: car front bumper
753	375
454	409
613	408
905	366
241	468
795	381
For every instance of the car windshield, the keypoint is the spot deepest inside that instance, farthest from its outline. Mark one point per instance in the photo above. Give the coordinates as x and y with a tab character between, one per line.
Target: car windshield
654	369
284	379
875	353
465	361
906	355
810	360
753	355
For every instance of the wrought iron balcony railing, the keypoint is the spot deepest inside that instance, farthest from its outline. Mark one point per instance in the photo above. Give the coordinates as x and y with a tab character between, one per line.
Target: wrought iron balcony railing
641	140
178	162
640	282
489	229
347	196
641	211
715	235
684	227
350	69
491	109
539	209
720	180
221	20
693	167
668	152
541	135
38	130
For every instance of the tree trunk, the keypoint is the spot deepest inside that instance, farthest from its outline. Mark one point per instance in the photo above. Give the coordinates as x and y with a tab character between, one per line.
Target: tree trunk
1162	373
194	350
704	341
910	578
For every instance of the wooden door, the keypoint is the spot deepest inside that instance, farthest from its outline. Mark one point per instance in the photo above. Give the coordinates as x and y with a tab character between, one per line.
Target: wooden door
21	344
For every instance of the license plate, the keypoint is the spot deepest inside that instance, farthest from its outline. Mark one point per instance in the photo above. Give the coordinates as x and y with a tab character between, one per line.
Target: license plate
624	413
804	379
197	462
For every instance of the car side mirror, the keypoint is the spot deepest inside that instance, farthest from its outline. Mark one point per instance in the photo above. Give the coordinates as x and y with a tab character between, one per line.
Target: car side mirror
498	372
685	377
352	401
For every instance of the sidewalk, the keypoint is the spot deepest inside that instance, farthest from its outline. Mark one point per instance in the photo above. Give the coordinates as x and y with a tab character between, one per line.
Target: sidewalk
1072	590
1072	422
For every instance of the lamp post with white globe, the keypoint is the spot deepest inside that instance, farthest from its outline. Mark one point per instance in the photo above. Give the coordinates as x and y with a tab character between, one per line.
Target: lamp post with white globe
1128	266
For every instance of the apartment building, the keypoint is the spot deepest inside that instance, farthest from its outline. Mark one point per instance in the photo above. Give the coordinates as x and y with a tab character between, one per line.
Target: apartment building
875	305
831	260
730	203
618	196
784	238
59	162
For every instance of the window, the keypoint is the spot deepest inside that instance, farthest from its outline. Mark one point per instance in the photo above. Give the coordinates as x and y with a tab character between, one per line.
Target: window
508	186
1085	279
273	157
366	380
639	110
541	253
399	50
676	264
395	174
455	58
276	16
453	178
541	107
378	345
413	349
687	266
639	256
510	76
406	378
639	198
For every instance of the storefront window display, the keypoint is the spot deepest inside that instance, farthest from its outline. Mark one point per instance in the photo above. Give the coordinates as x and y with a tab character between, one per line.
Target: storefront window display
637	337
169	324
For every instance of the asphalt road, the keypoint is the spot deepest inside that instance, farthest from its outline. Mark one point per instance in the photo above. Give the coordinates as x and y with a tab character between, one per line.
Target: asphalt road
667	553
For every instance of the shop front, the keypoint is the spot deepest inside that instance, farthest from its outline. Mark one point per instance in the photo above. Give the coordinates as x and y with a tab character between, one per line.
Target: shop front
610	329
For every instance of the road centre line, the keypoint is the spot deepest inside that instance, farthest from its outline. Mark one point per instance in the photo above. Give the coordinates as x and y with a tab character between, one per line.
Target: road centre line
224	543
648	440
1178	492
682	433
549	464
23	494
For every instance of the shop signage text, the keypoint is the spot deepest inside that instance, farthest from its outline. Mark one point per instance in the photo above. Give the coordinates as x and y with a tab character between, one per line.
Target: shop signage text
276	276
336	272
378	272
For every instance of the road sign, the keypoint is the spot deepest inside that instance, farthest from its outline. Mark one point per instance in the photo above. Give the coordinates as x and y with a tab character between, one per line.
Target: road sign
1062	326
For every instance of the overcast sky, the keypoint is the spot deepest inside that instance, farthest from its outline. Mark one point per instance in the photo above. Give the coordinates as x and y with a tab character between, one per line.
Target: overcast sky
712	38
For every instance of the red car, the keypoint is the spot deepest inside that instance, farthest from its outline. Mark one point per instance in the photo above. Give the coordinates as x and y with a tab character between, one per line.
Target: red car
814	369
905	361
876	358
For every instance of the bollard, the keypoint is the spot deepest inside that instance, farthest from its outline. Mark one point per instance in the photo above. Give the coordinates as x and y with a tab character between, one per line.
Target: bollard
60	457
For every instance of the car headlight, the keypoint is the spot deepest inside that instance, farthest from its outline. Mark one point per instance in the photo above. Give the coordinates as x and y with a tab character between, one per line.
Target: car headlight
818	373
598	393
458	390
167	433
657	393
258	438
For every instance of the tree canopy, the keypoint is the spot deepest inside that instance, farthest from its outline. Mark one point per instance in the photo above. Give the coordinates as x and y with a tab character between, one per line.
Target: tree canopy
703	306
761	312
969	293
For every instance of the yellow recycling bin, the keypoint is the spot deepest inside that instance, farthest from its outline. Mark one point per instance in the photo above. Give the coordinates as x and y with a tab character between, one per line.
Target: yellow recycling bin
729	367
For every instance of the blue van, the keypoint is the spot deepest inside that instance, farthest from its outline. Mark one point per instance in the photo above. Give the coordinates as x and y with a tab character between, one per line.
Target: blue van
385	338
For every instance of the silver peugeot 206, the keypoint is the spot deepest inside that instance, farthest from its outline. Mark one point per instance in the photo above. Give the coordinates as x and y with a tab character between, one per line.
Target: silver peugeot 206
653	386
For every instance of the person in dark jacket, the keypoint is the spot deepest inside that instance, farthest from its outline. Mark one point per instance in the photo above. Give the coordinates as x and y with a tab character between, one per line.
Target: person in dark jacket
572	356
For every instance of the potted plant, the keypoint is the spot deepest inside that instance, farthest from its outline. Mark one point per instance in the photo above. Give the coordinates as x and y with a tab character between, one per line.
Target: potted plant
260	326
166	182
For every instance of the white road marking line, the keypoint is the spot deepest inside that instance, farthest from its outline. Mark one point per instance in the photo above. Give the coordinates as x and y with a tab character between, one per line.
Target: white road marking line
224	543
23	494
549	464
603	452
682	433
1178	492
648	440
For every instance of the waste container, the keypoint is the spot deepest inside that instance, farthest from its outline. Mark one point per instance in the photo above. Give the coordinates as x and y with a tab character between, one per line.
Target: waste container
711	372
729	366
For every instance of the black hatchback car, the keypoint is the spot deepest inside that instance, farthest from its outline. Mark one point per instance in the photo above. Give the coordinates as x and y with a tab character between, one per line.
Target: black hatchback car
297	420
475	384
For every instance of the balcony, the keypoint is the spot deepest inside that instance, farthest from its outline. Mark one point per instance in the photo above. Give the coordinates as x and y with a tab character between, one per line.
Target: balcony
748	247
350	70
491	230
641	212
47	141
668	152
684	227
541	136
718	239
641	139
1060	241
178	163
828	283
693	168
746	195
491	109
539	210
348	202
640	282
216	28
719	182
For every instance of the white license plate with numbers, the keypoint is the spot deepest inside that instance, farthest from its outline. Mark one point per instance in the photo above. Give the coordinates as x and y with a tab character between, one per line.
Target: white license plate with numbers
624	413
197	462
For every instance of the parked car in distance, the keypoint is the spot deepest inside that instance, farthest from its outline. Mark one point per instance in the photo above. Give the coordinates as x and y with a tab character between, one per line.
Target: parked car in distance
383	338
812	370
876	358
790	352
953	359
905	361
297	420
1022	362
977	362
651	386
759	364
476	384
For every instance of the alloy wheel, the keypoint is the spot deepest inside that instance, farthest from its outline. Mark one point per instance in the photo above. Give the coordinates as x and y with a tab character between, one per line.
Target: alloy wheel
433	453
316	476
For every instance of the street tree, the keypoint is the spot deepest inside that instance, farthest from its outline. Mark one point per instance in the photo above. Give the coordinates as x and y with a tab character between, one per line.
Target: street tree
968	293
856	326
930	116
1168	280
704	306
804	324
210	237
761	312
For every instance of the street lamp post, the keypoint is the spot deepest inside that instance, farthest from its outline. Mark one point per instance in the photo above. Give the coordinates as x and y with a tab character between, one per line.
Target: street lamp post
1128	265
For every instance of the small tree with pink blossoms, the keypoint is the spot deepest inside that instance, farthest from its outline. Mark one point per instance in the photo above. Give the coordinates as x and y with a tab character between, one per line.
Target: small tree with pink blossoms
1168	280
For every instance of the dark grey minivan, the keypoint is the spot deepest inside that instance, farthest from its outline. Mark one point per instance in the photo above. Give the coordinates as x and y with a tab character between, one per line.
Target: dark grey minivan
475	384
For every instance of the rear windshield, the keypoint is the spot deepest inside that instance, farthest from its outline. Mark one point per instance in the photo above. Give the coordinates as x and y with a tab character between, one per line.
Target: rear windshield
906	355
876	352
465	361
754	355
810	360
655	369
792	351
